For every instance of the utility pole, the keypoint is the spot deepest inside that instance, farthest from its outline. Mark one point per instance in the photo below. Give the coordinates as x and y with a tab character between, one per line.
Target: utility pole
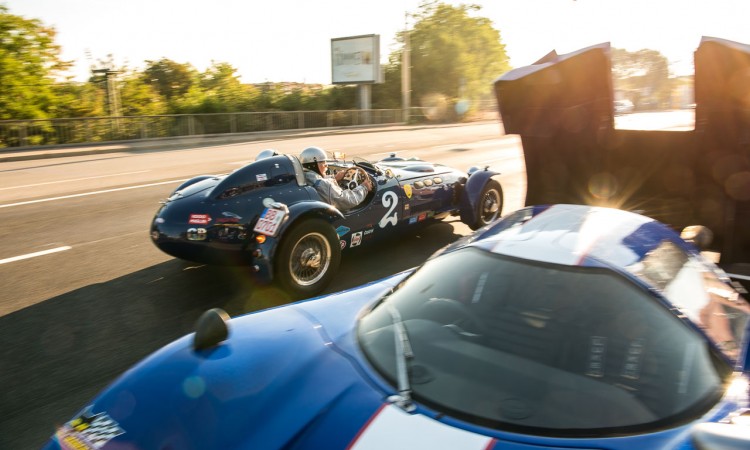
113	97
406	71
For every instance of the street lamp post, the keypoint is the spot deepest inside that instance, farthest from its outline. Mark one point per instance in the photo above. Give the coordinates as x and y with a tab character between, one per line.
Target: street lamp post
406	72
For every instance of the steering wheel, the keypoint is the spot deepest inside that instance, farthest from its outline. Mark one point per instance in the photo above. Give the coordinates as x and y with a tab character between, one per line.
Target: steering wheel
353	177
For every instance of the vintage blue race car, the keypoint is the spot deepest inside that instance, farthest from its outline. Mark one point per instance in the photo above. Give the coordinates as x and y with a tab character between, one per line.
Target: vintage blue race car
267	216
562	326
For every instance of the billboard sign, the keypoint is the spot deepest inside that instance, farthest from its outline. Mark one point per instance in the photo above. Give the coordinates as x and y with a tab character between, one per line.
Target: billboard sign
356	59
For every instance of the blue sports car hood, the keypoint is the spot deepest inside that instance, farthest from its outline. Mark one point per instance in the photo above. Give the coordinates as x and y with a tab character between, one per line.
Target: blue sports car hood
322	373
279	381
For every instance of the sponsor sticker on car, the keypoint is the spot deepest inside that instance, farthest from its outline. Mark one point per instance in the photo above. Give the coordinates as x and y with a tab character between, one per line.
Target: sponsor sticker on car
199	219
356	239
270	221
88	431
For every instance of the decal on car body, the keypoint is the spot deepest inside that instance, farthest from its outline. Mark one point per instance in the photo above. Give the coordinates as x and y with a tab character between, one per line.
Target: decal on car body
88	431
199	219
414	431
342	230
390	201
356	239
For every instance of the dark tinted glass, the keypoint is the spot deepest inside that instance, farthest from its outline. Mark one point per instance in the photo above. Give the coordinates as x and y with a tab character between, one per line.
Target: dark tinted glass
556	350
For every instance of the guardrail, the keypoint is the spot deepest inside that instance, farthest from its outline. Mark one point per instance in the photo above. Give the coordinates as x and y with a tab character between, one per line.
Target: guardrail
89	130
23	133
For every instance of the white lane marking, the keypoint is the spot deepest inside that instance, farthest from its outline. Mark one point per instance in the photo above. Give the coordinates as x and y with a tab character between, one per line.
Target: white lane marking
35	254
74	179
42	200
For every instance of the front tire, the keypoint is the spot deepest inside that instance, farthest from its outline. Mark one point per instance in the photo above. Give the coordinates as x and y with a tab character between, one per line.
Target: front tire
489	206
308	257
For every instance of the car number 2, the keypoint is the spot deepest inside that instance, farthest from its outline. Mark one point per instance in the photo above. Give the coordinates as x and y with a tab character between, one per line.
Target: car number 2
390	201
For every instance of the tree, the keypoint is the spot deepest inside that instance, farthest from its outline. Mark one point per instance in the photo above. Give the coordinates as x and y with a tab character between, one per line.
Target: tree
29	63
453	54
217	90
139	98
170	79
642	77
78	100
224	91
387	95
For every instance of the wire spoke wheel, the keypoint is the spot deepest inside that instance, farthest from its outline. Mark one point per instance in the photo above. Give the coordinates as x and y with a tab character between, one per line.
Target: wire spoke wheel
310	259
489	205
307	257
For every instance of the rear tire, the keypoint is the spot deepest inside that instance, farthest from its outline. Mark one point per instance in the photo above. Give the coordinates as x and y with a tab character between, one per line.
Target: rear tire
308	256
489	206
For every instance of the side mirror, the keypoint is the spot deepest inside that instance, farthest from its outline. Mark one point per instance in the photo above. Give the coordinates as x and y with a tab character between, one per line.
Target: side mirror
211	329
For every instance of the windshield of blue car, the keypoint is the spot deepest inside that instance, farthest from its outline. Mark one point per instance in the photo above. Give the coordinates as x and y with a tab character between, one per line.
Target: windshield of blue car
556	350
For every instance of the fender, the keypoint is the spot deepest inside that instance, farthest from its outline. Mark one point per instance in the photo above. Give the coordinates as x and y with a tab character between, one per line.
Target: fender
316	208
470	195
298	211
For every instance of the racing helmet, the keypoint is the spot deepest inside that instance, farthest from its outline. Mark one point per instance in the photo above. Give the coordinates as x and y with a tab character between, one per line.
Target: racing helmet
267	153
311	156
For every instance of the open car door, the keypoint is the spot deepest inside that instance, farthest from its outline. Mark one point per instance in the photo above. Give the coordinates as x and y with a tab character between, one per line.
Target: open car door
562	107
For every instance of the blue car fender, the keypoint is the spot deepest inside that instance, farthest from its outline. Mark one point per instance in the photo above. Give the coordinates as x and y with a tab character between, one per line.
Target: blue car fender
471	192
315	208
297	212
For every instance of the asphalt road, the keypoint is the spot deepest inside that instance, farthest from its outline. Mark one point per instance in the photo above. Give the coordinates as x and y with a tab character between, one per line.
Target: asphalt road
84	294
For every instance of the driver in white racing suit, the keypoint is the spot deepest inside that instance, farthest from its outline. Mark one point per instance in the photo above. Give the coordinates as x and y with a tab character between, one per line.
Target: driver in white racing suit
315	162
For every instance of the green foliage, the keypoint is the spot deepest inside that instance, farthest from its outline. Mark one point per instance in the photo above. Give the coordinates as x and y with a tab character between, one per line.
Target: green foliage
168	78
139	98
78	100
341	97
29	62
216	90
454	56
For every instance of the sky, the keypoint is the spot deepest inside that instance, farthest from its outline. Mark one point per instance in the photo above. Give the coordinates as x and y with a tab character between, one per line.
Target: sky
290	40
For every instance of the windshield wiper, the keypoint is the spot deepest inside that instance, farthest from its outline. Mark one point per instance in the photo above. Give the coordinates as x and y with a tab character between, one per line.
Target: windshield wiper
404	355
